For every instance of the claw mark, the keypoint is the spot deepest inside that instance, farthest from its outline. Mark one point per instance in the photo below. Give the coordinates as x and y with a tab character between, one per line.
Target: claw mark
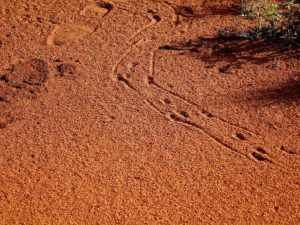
124	80
185	114
240	136
260	157
261	150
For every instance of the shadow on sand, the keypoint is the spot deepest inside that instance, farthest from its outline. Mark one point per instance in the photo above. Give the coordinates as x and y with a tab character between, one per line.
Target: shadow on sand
286	93
234	51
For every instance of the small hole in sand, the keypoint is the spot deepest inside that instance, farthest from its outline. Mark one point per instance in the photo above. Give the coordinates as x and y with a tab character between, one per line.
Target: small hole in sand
188	10
167	101
184	113
258	157
261	150
240	136
157	18
150	80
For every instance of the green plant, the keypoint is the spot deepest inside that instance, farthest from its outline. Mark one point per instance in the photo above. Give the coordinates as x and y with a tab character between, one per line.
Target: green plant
281	20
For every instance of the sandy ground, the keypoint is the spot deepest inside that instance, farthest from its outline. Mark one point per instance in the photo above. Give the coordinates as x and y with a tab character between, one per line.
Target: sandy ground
133	112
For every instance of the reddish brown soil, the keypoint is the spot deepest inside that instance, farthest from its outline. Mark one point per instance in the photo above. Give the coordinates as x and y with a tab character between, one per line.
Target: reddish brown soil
134	112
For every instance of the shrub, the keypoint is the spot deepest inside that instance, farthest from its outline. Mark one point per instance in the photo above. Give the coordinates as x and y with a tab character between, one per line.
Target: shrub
273	19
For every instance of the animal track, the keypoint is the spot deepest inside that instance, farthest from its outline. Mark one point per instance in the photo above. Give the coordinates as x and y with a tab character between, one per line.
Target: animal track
206	122
24	80
67	34
66	70
216	128
29	74
177	107
282	148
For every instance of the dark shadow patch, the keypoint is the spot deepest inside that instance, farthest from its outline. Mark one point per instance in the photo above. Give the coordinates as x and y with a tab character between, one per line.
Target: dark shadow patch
4	78
184	113
105	5
235	47
286	93
174	117
150	80
207	9
240	136
259	157
157	18
169	47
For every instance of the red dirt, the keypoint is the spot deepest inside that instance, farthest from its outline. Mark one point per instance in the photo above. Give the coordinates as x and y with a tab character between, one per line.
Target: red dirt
134	112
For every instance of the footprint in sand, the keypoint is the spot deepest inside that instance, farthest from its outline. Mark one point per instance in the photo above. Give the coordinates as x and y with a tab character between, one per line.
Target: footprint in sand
27	75
66	70
23	79
66	34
